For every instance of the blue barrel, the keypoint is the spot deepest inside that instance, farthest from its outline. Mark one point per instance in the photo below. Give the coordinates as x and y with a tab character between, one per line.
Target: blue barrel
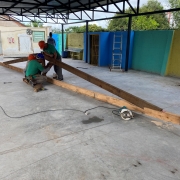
64	54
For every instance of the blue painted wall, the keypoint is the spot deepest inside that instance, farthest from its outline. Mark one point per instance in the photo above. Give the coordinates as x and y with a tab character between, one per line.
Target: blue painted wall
104	53
124	44
58	39
106	47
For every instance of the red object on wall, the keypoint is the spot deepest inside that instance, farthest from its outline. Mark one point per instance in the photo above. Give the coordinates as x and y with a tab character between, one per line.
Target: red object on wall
10	39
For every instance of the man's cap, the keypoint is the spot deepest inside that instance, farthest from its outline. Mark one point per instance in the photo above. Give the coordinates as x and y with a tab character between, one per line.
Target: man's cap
41	44
31	57
39	56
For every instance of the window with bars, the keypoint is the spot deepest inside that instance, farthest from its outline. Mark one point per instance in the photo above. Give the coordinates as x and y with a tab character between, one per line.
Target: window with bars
38	36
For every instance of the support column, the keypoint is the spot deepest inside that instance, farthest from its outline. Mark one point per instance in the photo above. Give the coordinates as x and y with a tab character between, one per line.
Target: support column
138	3
128	43
87	43
62	38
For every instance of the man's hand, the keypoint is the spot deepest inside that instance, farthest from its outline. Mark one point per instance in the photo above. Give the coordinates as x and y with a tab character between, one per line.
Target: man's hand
50	55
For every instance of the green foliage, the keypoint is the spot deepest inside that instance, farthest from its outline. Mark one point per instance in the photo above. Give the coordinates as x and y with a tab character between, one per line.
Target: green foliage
56	31
161	19
176	14
35	23
146	22
74	29
81	29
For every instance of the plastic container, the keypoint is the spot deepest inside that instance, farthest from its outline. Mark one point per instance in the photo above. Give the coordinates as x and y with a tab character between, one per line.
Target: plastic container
64	54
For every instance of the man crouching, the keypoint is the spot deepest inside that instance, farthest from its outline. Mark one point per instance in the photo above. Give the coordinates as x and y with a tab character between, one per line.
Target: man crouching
33	71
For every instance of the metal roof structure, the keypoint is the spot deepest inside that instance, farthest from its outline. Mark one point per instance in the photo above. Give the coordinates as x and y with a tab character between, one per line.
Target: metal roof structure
64	10
61	11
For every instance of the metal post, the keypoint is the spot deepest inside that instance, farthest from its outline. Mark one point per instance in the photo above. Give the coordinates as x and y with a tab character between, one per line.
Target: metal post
138	2
128	42
62	38
87	43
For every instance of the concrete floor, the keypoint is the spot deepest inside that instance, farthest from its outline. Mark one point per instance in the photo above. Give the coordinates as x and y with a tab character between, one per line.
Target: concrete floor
69	145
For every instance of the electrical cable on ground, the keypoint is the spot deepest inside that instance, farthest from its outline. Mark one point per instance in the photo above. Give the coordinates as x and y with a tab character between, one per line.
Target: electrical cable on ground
84	112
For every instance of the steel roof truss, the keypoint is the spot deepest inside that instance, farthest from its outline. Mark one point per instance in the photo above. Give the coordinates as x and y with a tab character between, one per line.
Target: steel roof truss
35	15
87	15
116	6
131	7
100	5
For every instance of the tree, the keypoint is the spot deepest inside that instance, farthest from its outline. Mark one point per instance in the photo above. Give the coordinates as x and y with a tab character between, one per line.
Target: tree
176	14
35	23
81	29
146	22
161	19
56	31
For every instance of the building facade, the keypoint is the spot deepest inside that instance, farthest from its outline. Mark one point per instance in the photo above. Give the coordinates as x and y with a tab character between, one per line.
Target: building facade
18	40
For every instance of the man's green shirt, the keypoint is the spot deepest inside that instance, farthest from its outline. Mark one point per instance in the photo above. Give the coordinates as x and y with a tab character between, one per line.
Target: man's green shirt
33	68
51	50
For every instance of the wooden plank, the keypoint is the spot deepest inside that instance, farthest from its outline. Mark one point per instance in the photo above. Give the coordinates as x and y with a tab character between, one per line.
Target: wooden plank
12	67
37	87
96	95
165	116
16	60
114	90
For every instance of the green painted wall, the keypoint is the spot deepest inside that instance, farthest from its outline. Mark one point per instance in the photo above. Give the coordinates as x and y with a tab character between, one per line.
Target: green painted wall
151	51
173	67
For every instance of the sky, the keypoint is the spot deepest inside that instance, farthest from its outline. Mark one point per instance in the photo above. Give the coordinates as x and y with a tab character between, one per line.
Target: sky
104	23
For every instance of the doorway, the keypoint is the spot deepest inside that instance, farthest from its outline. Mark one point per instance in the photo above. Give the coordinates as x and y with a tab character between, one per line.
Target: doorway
94	49
25	45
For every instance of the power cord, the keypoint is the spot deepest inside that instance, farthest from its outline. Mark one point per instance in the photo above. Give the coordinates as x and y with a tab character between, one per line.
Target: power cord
84	112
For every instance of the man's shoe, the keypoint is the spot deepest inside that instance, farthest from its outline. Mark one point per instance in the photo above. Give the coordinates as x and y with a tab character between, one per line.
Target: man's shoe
32	82
55	76
60	79
26	80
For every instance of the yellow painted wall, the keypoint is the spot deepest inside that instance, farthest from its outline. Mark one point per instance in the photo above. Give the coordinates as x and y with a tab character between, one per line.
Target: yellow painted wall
12	48
75	40
173	67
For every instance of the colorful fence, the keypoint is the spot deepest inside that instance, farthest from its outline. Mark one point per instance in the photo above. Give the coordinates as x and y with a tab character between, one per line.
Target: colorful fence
106	47
156	51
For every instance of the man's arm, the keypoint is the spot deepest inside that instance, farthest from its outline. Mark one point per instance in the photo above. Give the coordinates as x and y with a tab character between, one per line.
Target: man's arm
50	55
54	56
45	70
